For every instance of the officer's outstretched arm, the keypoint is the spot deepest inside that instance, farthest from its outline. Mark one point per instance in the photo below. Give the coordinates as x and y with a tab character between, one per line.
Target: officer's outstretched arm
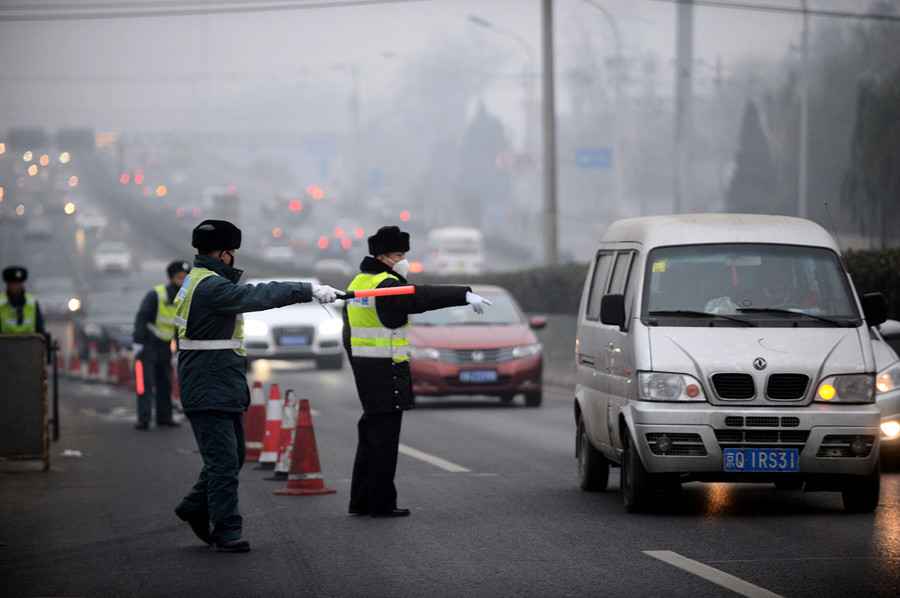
393	311
228	298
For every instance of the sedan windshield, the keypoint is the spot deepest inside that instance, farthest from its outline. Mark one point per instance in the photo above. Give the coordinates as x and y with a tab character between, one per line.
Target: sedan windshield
504	311
777	284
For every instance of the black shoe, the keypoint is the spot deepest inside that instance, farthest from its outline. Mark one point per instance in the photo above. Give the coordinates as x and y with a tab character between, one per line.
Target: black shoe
168	424
141	426
391	513
233	546
354	511
199	524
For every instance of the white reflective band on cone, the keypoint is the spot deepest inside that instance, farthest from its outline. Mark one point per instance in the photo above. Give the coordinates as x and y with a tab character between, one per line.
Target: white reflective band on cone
216	345
305	476
268	457
253	445
273	409
256	396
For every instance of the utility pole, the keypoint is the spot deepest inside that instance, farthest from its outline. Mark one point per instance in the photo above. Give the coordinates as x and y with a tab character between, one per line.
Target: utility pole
684	60
551	226
803	159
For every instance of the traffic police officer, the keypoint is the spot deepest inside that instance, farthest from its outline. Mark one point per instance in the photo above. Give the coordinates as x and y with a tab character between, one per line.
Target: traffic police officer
154	330
212	368
19	310
375	340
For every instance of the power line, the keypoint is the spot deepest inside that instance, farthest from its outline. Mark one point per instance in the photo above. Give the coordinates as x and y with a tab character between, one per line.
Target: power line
773	8
195	11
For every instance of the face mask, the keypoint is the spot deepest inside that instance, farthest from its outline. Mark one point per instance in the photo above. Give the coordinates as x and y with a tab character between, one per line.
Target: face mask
402	267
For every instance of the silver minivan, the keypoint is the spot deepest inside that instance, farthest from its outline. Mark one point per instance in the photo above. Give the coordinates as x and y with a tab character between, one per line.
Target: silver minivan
723	347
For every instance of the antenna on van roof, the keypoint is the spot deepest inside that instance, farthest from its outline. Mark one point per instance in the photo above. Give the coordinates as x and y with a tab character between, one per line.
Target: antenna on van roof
833	226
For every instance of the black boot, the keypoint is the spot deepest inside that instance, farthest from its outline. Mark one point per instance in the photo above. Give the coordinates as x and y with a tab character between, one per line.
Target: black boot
233	546
199	524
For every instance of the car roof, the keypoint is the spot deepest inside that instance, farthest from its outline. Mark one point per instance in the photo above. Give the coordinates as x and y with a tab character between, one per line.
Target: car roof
692	229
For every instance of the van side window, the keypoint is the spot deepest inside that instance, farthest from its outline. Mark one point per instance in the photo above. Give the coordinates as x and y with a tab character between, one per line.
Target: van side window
598	284
619	280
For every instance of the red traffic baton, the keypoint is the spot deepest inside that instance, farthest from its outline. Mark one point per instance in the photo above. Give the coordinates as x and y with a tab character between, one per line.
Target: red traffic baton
383	292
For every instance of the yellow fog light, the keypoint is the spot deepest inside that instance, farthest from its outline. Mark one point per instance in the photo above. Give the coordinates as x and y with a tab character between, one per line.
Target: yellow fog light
827	392
74	304
890	429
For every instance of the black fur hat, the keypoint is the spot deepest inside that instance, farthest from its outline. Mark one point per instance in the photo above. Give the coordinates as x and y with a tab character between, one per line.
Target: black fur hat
176	267
216	234
388	239
15	274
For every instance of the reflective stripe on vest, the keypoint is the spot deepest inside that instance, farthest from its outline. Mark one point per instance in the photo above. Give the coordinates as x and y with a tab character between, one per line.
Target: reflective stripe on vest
182	314
164	326
9	316
368	336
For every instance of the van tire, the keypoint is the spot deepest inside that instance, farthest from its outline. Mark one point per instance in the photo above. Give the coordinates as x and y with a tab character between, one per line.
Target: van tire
637	484
593	467
534	399
861	494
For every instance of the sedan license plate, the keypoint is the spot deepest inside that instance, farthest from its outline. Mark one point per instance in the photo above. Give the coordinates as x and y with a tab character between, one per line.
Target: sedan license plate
294	340
478	376
761	459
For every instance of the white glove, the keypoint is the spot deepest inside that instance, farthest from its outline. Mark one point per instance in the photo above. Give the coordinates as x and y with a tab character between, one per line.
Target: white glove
324	293
477	302
136	348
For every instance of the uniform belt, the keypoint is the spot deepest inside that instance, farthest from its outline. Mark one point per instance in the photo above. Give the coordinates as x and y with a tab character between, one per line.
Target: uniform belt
214	345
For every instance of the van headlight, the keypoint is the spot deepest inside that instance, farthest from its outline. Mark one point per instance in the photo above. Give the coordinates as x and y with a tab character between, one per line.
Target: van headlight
848	388
888	379
332	327
255	328
527	350
664	386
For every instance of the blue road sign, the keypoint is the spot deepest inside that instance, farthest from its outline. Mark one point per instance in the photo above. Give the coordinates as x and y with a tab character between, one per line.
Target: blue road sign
594	157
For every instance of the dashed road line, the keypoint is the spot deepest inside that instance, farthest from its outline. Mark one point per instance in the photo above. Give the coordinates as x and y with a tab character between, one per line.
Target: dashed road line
432	460
711	574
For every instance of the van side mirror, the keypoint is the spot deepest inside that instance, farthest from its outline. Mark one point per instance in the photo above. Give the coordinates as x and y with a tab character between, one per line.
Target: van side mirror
612	310
874	308
537	322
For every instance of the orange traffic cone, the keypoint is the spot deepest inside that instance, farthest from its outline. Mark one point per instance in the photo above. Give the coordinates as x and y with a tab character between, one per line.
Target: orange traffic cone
93	370
305	477
286	441
75	363
272	436
255	423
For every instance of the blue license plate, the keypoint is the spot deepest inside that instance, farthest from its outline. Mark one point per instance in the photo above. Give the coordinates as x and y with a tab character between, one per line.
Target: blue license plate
761	459
478	376
294	341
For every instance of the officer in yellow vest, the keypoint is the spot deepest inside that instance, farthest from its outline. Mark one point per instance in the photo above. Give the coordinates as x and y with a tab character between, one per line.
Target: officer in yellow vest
154	330
19	310
212	370
375	340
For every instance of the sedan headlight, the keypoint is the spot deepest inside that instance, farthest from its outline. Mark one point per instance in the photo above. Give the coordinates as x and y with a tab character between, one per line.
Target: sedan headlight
888	379
425	353
332	327
850	388
255	328
527	350
74	304
664	386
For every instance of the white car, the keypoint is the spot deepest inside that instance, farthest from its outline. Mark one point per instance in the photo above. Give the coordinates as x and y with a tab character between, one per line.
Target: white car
278	253
300	331
38	228
112	255
91	220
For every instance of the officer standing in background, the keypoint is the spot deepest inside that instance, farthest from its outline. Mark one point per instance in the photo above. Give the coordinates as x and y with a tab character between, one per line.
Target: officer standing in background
19	310
212	367
375	340
154	330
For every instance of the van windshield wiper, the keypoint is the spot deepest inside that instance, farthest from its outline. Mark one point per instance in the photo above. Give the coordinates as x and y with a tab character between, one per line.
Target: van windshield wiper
698	314
775	310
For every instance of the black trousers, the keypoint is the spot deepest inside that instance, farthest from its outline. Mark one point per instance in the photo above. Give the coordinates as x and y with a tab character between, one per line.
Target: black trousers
158	386
220	438
372	488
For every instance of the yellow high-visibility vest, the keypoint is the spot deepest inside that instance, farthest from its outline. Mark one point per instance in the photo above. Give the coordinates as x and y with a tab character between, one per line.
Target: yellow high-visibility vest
183	311
369	338
9	318
164	326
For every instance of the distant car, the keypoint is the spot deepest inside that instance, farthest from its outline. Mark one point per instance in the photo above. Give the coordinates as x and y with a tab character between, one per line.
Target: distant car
112	255
333	266
458	352
57	297
887	386
301	331
278	253
91	220
38	228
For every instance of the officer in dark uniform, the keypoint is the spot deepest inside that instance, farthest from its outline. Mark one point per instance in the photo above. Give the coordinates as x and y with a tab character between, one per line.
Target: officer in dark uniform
375	340
212	367
154	331
20	312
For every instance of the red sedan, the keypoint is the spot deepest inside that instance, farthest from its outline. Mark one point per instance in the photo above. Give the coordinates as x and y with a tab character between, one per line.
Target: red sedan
458	352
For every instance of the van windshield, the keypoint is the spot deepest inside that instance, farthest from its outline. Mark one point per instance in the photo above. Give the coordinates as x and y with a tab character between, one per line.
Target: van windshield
770	285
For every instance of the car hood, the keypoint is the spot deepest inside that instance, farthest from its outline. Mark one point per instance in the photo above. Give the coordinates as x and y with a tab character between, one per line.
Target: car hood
308	314
471	337
817	352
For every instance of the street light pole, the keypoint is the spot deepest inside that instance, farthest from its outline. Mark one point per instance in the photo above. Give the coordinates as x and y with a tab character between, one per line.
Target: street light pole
551	227
802	207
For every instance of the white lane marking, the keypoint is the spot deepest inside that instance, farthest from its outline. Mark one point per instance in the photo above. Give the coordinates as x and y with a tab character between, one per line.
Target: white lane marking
711	574
432	460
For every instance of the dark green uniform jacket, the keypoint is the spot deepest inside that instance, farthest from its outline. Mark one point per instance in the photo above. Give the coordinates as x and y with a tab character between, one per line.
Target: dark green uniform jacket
216	380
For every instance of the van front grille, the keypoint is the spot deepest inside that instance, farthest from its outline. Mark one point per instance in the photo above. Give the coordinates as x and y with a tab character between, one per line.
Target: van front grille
762	437
787	387
738	387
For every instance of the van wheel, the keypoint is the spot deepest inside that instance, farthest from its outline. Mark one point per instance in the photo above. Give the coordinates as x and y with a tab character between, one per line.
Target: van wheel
593	467
637	483
534	399
861	494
